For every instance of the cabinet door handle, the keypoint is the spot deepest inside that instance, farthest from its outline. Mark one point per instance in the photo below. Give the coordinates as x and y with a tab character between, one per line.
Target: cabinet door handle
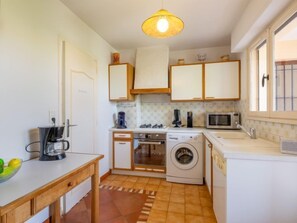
209	146
196	98
122	143
263	79
210	97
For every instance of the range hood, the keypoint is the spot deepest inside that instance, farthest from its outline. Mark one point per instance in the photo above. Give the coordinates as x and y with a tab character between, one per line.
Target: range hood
151	70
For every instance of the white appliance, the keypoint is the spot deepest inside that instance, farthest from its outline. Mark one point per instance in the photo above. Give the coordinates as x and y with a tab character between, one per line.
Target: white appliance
219	186
184	158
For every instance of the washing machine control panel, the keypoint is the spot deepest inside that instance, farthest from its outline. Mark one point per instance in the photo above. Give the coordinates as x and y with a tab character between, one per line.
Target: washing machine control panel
184	137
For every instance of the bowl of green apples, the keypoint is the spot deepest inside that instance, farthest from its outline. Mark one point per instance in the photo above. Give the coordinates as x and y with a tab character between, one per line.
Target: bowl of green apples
8	170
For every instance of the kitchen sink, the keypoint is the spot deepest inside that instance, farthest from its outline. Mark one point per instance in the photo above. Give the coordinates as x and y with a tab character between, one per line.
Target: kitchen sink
241	139
231	135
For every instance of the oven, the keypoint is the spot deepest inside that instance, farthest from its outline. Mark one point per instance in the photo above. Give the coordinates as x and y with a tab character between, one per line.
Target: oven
150	152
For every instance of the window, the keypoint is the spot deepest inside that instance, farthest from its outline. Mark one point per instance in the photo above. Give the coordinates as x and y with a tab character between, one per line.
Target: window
275	53
285	69
258	88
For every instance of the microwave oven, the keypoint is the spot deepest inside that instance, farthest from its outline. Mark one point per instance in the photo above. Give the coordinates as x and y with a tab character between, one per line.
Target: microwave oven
223	120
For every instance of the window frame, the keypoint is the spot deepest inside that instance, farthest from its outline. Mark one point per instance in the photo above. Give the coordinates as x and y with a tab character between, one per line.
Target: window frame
288	117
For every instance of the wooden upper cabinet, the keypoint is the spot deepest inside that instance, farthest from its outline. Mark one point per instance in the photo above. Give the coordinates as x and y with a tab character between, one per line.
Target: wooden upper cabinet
222	80
186	82
120	82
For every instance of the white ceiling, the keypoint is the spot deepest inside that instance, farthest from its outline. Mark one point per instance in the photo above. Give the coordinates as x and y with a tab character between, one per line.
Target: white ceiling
208	23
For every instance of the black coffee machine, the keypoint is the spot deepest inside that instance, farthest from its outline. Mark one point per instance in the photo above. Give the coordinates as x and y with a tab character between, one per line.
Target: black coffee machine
50	139
177	119
189	119
121	122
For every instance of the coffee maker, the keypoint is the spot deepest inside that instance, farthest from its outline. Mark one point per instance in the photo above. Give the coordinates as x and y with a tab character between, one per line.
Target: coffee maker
121	122
177	118
52	145
189	119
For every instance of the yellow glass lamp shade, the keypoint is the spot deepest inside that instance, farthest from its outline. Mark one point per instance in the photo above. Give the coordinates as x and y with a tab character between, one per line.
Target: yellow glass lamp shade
162	24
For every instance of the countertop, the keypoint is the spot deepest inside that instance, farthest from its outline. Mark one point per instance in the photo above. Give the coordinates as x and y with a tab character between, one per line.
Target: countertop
266	150
260	149
34	174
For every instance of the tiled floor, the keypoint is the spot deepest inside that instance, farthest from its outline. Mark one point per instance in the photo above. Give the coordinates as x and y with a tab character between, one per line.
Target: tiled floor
174	203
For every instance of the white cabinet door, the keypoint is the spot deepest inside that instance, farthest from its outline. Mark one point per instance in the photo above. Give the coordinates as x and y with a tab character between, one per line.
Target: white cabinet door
186	82
122	155
120	82
222	80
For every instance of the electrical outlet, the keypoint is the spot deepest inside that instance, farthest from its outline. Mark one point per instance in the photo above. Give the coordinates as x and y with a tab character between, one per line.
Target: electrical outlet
52	114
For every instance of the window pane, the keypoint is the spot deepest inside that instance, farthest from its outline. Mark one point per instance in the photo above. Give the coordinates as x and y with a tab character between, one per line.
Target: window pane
285	66
258	70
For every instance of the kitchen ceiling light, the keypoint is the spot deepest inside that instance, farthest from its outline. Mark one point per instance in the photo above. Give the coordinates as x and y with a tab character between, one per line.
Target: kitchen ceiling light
162	24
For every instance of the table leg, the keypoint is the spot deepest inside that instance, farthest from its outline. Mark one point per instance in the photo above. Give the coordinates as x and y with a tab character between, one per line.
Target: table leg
55	212
95	195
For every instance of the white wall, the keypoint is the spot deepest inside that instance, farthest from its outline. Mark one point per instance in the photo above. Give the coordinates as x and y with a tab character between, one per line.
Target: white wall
256	17
190	56
29	71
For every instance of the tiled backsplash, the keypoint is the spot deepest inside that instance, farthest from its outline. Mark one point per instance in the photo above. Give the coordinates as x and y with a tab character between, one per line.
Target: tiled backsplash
267	130
144	111
154	110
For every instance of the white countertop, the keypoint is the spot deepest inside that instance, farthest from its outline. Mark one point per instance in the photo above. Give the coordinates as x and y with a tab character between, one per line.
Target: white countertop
156	130
35	174
259	149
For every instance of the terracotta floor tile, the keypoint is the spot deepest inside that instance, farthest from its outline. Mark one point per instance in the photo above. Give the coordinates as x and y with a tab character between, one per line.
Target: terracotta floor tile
112	177
204	194
175	185
106	182
177	198
157	216
128	184
164	188
163	196
192	199
166	183
132	179
116	183
207	211
139	185
205	202
175	218
160	205
176	208
192	192
121	177
192	209
176	190
173	203
154	181
151	187
142	180
209	220
194	219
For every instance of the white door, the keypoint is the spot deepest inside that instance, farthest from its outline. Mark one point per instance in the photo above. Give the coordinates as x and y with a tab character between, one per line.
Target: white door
79	72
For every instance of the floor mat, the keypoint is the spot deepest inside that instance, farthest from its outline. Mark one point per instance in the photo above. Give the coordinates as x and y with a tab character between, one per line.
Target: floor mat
116	205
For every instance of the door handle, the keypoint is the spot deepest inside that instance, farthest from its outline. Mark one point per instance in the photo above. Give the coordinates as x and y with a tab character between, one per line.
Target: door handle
263	79
68	125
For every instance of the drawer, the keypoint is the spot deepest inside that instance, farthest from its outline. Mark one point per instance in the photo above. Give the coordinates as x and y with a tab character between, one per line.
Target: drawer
52	194
20	214
122	135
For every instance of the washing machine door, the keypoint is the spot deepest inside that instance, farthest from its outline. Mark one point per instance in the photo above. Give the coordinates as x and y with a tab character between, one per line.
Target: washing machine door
184	156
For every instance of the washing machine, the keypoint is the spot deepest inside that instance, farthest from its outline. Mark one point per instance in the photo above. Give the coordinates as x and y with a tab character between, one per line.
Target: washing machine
184	158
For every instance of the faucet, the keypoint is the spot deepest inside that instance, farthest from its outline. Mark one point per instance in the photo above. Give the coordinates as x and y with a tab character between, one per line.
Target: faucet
251	133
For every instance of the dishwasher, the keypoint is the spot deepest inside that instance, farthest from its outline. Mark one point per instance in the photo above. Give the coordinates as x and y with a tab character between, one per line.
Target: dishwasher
219	186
